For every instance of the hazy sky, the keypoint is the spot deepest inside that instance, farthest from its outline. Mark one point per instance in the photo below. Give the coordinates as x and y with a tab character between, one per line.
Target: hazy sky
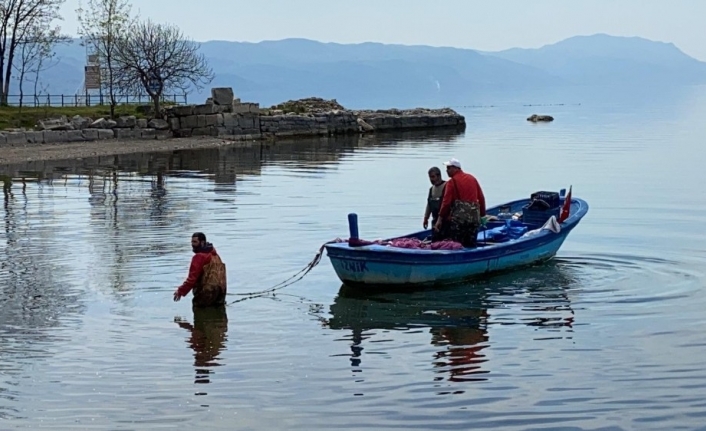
478	24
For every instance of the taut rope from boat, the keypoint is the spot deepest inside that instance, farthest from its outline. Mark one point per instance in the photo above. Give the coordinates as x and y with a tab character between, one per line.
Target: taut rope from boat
291	280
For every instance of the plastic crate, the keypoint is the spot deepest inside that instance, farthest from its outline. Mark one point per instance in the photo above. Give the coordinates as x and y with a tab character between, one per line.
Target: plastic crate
551	198
538	217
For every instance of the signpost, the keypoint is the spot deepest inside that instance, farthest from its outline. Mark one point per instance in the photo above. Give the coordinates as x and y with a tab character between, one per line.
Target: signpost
92	75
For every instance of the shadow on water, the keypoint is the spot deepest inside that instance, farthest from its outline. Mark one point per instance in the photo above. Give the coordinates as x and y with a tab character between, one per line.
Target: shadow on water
458	318
207	339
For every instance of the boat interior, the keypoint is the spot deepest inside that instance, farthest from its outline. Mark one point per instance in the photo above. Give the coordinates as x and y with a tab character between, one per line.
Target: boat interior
512	220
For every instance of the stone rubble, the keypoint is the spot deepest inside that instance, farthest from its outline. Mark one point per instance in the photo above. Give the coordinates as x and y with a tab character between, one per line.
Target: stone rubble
310	105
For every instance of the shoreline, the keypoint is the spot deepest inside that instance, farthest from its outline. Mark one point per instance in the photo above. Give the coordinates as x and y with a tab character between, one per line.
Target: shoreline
17	147
36	150
222	162
222	120
14	158
80	150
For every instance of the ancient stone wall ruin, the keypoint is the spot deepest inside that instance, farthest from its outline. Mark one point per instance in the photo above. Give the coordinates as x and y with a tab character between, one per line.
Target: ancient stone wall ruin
225	116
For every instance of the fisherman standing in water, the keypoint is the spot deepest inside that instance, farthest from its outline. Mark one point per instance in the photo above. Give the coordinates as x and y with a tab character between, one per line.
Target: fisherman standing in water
207	275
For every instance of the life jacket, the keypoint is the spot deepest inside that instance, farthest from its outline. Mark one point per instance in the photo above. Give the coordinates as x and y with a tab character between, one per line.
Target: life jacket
435	203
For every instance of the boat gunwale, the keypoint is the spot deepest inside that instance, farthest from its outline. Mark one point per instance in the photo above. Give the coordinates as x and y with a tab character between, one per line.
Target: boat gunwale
387	254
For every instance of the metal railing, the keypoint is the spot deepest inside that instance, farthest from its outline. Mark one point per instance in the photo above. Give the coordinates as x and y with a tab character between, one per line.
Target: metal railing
59	100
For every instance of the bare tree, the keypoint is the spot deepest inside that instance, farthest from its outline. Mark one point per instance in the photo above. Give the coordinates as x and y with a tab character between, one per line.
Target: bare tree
157	58
17	20
36	53
101	24
43	63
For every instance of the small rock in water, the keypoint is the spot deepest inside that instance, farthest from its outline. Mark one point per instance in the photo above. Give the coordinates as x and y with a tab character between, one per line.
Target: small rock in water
536	118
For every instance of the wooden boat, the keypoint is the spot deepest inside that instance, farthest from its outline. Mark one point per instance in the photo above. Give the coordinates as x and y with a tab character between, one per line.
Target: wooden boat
538	235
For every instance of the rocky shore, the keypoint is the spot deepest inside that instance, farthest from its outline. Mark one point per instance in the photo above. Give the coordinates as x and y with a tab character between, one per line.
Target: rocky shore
225	117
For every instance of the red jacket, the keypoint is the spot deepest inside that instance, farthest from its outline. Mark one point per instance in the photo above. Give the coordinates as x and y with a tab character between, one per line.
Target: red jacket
201	258
468	190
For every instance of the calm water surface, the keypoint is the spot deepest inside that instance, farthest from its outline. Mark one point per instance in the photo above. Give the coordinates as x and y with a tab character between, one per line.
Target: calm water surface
607	336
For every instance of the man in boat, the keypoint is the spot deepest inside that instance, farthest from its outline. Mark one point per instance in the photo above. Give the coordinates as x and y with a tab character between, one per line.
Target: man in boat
436	192
462	207
207	275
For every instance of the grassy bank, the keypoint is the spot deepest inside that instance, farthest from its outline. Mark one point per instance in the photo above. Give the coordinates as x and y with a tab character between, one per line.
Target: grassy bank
15	117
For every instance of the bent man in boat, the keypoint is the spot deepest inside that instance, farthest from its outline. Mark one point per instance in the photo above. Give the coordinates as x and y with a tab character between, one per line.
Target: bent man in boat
462	207
436	192
207	275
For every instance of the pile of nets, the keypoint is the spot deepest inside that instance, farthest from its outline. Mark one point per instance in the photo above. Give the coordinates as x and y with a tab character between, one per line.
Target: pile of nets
410	243
414	243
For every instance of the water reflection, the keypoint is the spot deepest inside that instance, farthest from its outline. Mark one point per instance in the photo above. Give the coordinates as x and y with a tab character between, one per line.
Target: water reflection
458	318
111	234
38	291
126	217
226	164
463	355
207	339
78	231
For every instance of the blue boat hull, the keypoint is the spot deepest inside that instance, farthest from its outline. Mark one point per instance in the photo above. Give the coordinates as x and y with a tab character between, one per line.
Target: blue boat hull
378	265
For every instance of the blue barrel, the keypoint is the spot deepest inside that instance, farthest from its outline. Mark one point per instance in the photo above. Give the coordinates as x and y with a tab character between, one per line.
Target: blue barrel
353	225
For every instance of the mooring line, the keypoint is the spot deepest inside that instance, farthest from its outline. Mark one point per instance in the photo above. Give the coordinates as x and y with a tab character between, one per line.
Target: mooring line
291	280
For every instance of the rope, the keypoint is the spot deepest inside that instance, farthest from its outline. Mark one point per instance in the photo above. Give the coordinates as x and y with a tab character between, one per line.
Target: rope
291	280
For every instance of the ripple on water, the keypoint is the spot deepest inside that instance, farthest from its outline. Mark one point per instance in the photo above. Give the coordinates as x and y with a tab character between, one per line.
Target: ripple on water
590	341
554	302
632	279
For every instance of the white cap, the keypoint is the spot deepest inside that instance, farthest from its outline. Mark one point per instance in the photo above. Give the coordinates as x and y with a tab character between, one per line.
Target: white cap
453	162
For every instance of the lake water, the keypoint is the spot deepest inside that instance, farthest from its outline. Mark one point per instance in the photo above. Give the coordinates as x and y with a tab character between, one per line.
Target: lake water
607	336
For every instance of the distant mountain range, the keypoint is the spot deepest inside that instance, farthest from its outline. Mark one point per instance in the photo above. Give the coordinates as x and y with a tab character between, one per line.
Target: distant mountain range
380	75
